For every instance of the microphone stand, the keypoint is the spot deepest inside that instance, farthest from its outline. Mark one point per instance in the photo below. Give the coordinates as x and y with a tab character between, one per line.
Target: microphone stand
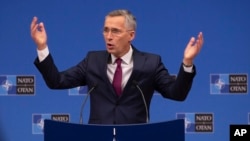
84	102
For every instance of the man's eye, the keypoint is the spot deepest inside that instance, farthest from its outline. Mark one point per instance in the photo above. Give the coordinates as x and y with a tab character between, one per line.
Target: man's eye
105	30
115	31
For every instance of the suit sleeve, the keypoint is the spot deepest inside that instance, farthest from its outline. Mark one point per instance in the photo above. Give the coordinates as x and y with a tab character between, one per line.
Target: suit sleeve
72	77
171	87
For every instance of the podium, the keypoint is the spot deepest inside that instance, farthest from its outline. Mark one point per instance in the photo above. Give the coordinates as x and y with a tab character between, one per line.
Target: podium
162	131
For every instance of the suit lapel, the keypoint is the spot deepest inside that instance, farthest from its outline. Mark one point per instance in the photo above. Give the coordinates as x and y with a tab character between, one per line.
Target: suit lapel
139	61
104	64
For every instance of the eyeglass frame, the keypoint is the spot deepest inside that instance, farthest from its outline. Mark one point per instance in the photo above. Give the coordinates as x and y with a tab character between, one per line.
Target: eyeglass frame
114	31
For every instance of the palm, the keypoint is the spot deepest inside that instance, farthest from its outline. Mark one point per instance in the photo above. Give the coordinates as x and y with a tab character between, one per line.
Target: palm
40	37
193	47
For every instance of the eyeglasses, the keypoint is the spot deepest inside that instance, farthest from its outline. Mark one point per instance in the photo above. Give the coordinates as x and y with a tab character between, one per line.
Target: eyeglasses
113	31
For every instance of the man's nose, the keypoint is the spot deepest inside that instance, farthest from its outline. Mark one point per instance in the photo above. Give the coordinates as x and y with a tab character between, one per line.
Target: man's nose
109	35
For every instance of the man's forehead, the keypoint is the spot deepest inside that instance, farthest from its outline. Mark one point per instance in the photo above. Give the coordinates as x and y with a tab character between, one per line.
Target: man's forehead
115	21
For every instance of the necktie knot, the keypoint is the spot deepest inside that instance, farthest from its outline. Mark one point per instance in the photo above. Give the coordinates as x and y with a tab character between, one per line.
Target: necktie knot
118	61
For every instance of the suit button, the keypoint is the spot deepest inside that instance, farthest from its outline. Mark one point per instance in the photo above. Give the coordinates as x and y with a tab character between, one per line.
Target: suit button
117	103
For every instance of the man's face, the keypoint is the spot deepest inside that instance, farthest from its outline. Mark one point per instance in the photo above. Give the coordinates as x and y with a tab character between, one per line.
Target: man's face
117	37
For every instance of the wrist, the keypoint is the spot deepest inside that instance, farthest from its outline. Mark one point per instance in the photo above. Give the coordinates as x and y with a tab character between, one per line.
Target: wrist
42	47
187	63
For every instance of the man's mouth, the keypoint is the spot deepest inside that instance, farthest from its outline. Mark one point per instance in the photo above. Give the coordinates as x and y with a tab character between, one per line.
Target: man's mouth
110	45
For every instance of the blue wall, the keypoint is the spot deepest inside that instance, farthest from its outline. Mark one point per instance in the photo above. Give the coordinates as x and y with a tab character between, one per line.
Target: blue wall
164	27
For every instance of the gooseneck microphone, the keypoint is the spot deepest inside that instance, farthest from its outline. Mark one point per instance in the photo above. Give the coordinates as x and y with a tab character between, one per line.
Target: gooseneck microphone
143	98
84	102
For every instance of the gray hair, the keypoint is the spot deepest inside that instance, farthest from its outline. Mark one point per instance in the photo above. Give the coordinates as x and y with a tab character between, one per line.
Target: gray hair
130	20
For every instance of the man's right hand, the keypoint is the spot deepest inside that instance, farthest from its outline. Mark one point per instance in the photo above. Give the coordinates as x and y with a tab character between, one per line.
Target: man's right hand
38	34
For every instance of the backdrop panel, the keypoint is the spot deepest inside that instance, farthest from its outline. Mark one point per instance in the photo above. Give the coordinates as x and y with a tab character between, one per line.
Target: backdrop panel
219	96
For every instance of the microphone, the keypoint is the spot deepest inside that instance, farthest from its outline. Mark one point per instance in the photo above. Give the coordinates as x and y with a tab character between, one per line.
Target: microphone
84	102
143	98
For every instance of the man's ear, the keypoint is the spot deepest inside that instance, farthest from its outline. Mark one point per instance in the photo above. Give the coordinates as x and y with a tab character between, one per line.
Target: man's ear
132	35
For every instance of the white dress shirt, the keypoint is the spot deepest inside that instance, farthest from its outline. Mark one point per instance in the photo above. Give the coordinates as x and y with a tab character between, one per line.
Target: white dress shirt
127	67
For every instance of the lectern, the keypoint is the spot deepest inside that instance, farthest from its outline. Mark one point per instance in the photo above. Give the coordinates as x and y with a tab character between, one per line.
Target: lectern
162	131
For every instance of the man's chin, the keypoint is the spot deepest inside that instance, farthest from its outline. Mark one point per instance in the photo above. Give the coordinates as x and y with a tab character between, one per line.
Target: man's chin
110	50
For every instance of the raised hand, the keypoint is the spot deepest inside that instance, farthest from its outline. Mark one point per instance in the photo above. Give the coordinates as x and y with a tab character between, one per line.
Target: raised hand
192	49
38	33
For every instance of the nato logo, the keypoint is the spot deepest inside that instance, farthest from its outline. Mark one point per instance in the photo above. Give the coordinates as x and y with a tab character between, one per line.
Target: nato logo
81	90
38	121
228	83
197	122
17	85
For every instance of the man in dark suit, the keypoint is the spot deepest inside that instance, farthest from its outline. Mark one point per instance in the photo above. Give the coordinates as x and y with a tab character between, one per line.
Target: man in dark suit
122	79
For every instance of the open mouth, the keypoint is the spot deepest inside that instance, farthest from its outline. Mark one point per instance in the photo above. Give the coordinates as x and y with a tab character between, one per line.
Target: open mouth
110	46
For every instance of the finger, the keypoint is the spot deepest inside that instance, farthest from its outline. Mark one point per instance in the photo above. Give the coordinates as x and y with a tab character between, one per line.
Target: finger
34	30
198	45
33	23
200	37
33	26
191	41
41	27
199	42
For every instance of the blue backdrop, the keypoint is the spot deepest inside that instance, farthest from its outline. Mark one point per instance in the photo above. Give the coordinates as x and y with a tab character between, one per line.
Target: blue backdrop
219	96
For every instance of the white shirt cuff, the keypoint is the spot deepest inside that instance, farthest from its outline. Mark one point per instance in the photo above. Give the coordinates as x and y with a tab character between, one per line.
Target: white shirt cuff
42	54
188	69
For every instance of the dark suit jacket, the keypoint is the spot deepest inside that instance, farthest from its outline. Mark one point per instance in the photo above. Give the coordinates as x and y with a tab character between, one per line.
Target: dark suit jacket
105	107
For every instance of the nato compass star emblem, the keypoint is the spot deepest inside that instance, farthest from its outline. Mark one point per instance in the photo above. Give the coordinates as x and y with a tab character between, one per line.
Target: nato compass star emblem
220	84
40	123
187	123
7	85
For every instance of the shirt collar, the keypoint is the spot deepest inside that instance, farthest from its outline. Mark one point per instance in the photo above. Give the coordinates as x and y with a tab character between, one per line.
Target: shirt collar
127	58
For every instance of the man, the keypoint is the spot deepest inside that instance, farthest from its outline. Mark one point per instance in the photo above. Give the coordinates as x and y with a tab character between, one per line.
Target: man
120	91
